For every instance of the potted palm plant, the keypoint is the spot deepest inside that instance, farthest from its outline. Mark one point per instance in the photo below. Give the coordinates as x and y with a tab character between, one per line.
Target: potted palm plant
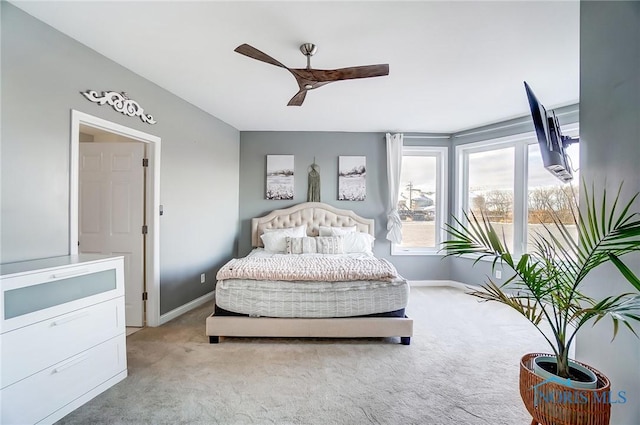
547	289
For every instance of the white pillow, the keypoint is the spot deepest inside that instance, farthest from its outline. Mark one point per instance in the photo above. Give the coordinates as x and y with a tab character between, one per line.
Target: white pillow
296	232
336	230
358	242
275	240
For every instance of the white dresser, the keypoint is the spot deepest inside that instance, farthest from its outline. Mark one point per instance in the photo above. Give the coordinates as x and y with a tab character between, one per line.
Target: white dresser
62	335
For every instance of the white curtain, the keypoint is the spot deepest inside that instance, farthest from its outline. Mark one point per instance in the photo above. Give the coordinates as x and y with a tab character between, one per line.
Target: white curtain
394	167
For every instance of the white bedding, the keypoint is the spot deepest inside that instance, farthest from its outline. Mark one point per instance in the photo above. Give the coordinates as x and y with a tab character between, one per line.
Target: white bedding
308	267
305	298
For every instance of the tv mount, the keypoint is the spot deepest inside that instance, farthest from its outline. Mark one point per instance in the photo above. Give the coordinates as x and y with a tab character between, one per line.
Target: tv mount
566	141
554	130
551	141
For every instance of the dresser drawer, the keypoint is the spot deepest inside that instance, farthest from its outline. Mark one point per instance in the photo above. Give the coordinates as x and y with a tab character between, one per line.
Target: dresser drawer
32	348
31	296
36	397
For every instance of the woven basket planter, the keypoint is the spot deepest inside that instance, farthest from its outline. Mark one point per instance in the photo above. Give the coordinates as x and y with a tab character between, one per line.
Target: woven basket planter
551	403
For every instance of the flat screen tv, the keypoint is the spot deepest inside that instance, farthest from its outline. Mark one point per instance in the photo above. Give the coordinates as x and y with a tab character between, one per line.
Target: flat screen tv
550	139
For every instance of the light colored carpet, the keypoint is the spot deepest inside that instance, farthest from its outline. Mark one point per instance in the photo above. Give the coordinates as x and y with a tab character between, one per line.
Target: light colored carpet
461	368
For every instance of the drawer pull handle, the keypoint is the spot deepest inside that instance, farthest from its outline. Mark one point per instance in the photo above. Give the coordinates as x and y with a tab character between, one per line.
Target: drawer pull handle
71	363
69	319
69	274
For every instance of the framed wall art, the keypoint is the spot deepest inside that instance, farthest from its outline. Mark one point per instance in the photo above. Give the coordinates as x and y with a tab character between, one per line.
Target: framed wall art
280	178
352	178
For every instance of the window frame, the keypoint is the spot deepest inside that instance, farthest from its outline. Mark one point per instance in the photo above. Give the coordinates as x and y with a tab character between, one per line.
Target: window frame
520	142
441	155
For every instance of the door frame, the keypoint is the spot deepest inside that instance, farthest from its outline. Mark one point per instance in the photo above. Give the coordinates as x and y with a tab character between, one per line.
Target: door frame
152	213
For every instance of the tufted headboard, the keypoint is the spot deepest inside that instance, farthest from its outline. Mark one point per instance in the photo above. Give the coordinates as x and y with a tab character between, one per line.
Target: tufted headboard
314	215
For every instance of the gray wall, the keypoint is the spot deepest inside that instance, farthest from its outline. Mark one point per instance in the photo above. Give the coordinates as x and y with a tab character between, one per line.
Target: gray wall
43	73
610	152
326	147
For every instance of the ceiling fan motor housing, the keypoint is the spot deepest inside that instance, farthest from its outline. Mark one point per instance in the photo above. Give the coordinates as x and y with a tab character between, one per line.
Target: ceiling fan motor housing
308	49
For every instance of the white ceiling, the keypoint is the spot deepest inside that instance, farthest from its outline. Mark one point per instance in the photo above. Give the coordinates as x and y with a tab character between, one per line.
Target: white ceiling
454	65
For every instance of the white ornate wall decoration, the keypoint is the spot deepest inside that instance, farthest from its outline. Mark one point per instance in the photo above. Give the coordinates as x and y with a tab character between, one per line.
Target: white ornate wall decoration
121	103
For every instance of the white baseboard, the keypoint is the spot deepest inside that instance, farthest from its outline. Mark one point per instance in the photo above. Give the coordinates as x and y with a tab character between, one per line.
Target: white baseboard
436	283
187	307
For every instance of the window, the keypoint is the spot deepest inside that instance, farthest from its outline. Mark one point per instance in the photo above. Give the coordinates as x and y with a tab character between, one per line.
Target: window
504	179
547	194
423	200
490	188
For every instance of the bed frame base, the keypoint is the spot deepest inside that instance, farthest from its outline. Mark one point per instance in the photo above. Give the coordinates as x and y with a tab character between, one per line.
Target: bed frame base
347	327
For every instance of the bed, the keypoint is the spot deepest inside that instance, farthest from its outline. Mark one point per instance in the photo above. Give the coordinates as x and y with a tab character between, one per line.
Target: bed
319	281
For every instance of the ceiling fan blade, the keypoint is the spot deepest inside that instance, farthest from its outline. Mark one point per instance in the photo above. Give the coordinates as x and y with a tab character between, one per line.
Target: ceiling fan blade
298	98
350	73
309	78
252	52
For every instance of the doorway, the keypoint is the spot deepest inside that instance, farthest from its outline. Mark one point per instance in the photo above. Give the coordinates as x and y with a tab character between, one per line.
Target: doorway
112	209
116	137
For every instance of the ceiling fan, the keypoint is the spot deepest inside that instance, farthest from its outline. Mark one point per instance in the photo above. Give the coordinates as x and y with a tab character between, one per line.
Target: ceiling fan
309	78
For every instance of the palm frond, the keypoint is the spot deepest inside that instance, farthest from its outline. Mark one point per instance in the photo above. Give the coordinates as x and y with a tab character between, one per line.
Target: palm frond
621	309
473	236
546	283
621	237
625	271
523	303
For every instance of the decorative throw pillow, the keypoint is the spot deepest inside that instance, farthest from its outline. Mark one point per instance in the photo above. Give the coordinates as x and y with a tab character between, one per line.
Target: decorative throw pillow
336	230
304	245
358	242
330	245
275	240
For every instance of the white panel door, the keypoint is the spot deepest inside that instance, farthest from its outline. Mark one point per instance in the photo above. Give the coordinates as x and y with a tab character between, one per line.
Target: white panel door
111	213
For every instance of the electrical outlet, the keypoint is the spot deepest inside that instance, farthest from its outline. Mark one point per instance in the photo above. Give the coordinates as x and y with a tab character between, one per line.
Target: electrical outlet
202	278
498	274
